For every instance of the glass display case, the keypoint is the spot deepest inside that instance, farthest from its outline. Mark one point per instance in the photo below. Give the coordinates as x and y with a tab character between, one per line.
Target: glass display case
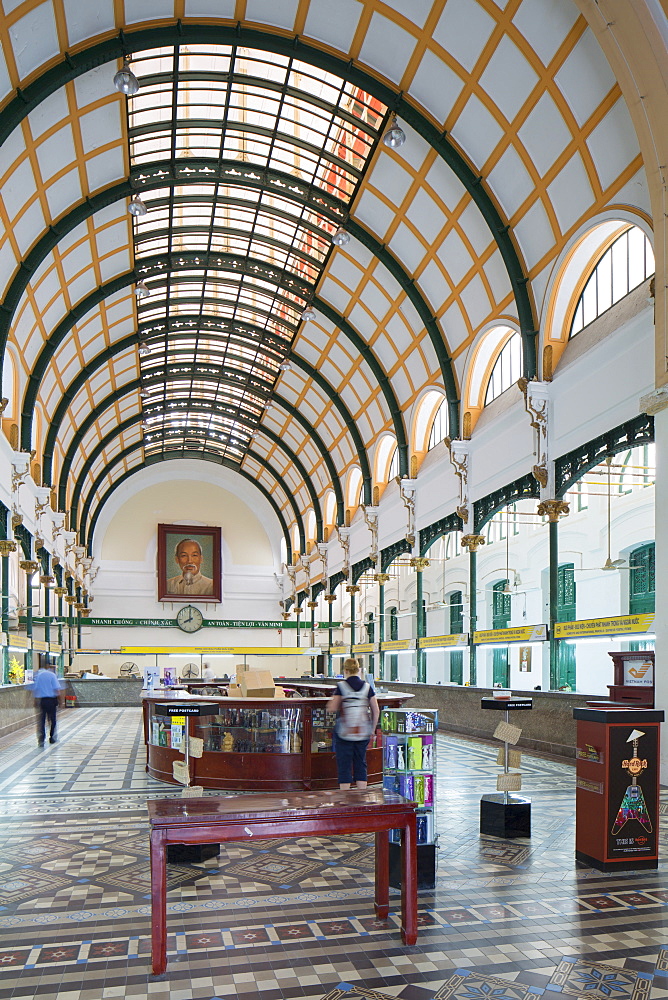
278	729
409	769
253	744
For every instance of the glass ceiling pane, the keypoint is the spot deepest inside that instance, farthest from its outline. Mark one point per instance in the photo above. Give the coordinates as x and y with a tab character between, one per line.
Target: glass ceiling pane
233	248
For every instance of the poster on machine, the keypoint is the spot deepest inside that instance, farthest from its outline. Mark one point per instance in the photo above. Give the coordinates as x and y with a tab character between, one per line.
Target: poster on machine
633	792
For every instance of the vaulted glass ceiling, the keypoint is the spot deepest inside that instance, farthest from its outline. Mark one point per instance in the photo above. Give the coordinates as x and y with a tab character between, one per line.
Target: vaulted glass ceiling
260	156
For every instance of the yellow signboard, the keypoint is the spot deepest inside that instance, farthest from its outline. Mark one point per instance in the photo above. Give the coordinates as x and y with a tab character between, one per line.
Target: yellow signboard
504	636
19	641
220	650
42	647
396	645
365	647
178	720
623	625
55	647
455	639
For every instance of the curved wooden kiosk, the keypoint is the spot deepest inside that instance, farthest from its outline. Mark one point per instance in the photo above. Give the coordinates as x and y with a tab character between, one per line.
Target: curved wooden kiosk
254	744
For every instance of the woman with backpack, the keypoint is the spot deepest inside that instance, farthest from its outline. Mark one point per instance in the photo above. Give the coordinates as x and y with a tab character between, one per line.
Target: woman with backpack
357	710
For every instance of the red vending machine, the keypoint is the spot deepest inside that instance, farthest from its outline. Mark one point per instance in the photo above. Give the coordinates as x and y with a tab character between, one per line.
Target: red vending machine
617	787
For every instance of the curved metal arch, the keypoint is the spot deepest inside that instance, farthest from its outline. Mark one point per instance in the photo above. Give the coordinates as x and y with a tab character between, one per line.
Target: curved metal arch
116	284
127	188
136	418
206	456
136	384
128	42
81	378
526	487
131	472
383	379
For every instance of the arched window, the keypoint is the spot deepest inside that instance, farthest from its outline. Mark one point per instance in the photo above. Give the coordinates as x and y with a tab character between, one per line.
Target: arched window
354	491
625	264
507	368
439	427
386	456
329	509
394	466
426	417
310	527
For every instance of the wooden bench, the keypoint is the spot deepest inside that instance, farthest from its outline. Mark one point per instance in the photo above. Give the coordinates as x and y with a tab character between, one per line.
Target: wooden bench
275	814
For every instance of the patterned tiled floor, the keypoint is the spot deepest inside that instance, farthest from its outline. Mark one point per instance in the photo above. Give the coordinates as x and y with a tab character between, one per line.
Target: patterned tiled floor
278	920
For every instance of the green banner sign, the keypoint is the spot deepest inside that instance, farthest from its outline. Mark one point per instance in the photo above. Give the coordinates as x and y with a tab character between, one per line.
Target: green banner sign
207	623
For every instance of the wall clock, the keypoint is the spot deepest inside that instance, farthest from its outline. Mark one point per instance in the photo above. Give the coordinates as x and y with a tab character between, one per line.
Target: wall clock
189	619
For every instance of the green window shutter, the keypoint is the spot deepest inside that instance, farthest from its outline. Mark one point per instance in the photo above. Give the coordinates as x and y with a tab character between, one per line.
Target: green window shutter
566	593
456	613
642	580
500	605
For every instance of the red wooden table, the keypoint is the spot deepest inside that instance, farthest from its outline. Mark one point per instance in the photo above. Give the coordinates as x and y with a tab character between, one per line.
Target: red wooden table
216	820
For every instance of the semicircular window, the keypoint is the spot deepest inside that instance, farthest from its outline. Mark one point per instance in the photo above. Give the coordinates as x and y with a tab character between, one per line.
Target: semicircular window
247	162
625	264
507	368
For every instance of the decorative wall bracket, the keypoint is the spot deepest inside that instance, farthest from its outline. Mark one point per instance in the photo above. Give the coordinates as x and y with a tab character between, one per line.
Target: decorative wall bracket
407	488
460	453
537	404
344	541
371	518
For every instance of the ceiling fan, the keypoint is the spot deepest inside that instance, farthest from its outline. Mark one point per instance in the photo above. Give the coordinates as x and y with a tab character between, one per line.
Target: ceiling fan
610	563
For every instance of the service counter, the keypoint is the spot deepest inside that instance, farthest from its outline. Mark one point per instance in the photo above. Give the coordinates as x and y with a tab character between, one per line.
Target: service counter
261	744
548	728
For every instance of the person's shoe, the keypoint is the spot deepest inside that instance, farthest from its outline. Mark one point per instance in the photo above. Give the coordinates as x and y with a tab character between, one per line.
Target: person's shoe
40	744
52	739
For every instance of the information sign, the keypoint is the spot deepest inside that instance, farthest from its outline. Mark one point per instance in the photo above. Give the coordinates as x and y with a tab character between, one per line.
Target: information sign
624	625
179	711
396	645
455	639
504	636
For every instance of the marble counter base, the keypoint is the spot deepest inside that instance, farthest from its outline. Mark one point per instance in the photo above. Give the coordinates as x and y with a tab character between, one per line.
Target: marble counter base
17	708
116	692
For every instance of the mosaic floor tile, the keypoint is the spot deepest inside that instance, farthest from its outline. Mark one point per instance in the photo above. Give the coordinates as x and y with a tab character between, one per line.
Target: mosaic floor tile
577	977
280	920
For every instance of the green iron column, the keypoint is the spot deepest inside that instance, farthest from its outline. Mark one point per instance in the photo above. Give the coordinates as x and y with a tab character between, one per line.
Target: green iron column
298	611
7	546
78	605
312	605
419	564
30	567
553	509
382	579
473	543
330	598
352	589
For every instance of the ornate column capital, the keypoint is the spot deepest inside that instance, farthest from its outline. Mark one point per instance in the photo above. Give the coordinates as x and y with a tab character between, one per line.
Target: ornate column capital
382	578
46	580
70	599
285	615
553	509
419	563
312	605
29	565
60	591
7	545
473	542
330	598
352	588
85	612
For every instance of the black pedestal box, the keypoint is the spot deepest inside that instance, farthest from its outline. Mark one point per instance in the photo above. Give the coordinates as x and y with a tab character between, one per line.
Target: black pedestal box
499	818
426	866
191	854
